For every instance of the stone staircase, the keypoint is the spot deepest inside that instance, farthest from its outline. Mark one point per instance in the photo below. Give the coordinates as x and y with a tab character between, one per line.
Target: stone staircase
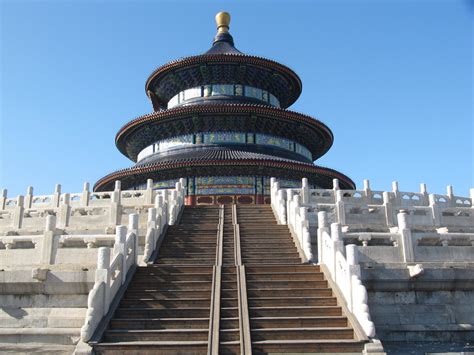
291	307
229	280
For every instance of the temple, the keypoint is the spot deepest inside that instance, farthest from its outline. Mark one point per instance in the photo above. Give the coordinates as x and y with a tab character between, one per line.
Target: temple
225	238
220	121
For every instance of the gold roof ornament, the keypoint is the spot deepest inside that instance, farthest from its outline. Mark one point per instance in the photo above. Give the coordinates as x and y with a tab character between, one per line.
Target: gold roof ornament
222	22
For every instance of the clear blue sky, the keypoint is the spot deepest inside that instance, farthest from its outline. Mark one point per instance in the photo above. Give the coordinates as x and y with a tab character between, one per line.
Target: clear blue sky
392	79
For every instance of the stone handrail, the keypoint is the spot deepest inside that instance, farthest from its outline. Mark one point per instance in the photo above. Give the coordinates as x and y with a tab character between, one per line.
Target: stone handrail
397	223
344	270
112	274
377	207
109	276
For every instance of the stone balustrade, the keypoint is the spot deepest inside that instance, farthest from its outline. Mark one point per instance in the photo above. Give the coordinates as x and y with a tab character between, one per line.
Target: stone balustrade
49	229
355	228
69	254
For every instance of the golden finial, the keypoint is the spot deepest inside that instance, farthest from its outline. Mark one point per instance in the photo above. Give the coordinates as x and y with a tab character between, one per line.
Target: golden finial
223	21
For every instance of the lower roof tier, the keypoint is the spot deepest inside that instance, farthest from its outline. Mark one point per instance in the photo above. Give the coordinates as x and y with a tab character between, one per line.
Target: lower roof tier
225	163
146	130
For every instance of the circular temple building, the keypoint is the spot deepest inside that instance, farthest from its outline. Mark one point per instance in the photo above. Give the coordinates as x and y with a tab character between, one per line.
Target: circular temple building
221	122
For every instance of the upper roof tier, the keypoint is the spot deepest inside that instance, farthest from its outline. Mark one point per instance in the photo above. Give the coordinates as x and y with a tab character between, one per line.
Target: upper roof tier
223	64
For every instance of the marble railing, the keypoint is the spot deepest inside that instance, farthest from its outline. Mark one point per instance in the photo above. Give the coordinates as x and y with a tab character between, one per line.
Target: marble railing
355	227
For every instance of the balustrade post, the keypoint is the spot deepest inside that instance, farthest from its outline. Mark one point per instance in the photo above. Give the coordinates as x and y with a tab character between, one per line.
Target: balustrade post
435	212
388	208
450	193
405	237
323	227
471	194
172	208
304	191
48	240
3	199
133	228
18	212
340	207
352	258
115	205
64	211
103	267
150	237
56	195
281	206
367	191
337	244
424	191
85	195
335	185
29	197
305	236
149	193
120	248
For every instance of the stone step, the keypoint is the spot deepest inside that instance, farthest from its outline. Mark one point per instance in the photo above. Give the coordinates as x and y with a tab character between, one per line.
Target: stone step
183	261
275	268
188	312
262	260
165	303
286	292
36	317
301	311
153	347
159	323
339	346
58	336
298	322
168	293
175	277
156	335
303	276
289	284
291	301
179	285
177	268
301	333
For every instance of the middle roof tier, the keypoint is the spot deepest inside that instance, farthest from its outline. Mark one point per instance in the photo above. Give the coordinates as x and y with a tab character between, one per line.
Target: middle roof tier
311	134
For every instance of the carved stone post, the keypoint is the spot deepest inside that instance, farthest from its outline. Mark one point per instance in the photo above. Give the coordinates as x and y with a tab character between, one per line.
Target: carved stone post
405	237
29	197
18	212
47	253
3	199
115	205
57	195
64	211
85	195
304	191
149	193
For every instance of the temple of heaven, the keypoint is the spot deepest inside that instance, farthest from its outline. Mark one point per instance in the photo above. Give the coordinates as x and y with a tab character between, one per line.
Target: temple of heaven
221	122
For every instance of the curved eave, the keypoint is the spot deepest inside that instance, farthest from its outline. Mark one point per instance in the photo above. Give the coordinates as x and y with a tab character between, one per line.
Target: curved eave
224	109
303	169
229	58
